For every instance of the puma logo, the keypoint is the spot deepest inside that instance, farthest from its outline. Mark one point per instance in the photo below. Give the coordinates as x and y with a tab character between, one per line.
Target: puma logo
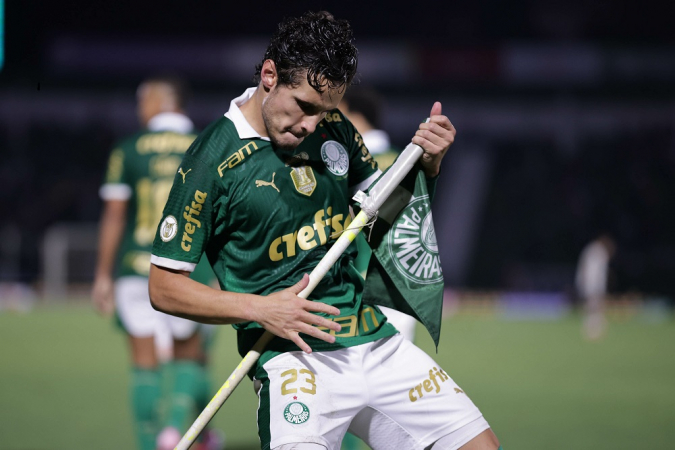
458	391
259	183
180	171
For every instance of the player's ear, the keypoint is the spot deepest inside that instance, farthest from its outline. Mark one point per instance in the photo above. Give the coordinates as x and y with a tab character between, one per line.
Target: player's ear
268	74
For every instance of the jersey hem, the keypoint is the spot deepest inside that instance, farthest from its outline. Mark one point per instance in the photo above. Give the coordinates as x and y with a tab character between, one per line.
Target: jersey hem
276	349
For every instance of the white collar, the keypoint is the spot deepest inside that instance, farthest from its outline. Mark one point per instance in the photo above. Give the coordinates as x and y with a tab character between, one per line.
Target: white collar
377	141
244	129
171	121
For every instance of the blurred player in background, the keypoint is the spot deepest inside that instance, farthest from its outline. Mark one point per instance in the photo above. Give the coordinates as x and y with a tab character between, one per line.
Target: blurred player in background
271	182
141	170
591	284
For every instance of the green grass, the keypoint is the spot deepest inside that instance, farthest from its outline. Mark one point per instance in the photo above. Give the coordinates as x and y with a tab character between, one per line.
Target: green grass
64	379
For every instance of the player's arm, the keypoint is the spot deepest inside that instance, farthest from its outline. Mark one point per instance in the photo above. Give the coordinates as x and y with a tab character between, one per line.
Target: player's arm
111	230
283	313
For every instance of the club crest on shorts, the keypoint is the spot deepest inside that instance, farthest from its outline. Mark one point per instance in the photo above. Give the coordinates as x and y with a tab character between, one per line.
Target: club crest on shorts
168	229
336	158
412	245
296	413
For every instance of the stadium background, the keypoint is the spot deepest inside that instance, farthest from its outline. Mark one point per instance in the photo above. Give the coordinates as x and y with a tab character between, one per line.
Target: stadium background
566	127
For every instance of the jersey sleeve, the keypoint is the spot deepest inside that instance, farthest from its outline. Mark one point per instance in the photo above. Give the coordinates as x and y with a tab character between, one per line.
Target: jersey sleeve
188	219
117	185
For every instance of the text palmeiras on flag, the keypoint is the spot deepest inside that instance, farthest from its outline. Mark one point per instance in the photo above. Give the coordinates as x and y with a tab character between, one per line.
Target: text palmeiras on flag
405	273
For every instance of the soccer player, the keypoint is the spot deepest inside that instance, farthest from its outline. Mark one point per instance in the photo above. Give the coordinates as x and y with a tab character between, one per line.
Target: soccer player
591	284
269	186
140	173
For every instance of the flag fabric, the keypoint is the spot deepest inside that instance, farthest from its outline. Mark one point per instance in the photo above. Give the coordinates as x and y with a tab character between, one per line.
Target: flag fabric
405	273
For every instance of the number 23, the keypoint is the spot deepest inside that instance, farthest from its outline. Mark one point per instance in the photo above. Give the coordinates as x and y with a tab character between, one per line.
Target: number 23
293	377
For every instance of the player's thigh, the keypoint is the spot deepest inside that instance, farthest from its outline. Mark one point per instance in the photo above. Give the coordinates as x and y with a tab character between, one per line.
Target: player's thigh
419	398
133	308
181	329
191	348
308	398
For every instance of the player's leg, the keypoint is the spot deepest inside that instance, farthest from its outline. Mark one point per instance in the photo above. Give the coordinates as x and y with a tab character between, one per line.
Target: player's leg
188	391
594	322
136	316
308	399
413	403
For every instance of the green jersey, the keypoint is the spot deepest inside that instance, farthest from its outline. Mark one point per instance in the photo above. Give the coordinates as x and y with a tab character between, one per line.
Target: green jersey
265	216
141	170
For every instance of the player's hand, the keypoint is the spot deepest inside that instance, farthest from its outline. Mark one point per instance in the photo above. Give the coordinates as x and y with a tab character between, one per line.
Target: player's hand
103	295
435	137
287	315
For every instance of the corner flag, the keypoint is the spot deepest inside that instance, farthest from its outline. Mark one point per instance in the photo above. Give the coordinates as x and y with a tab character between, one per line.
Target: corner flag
406	272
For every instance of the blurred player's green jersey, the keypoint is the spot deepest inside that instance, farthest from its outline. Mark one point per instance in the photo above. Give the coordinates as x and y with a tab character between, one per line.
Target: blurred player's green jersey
141	170
266	216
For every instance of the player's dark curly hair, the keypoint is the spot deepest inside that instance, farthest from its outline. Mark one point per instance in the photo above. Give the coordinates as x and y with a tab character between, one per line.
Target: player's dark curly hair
316	43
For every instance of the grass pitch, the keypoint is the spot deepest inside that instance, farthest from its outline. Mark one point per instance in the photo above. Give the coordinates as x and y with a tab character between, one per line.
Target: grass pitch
64	382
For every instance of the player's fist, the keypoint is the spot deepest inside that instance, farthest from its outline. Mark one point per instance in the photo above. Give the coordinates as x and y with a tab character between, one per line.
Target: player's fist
435	137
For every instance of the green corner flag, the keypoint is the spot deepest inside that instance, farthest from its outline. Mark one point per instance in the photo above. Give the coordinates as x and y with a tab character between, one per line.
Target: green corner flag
406	272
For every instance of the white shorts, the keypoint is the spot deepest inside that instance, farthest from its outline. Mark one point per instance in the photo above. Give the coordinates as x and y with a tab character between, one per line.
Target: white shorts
404	323
389	393
140	319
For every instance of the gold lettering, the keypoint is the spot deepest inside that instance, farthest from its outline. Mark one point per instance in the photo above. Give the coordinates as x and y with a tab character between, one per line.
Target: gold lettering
290	239
305	238
115	166
311	381
191	211
186	237
185	246
412	397
200	196
189	218
275	254
427	385
419	390
336	225
237	157
330	213
373	318
319	225
348	321
432	377
293	378
189	228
